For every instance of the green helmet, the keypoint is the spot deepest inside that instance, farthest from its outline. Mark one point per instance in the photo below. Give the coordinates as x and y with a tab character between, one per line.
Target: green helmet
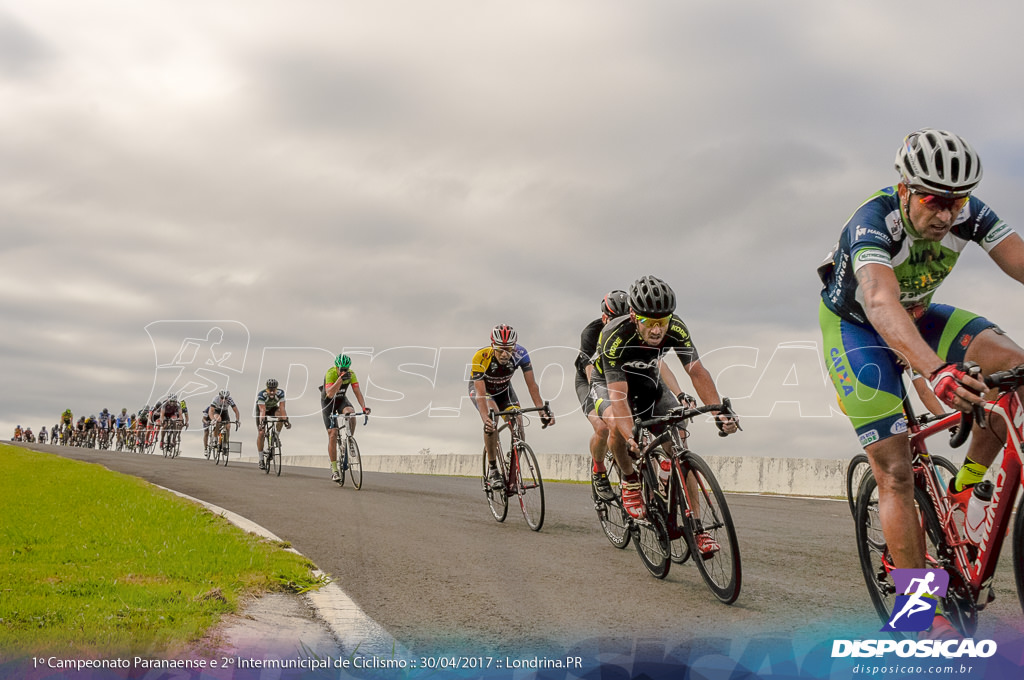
342	362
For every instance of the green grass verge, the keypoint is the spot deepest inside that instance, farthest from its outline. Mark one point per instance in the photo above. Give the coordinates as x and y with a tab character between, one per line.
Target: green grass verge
93	561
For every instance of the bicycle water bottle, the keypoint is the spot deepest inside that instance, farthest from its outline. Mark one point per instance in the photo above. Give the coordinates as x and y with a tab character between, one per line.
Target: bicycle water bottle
664	473
977	510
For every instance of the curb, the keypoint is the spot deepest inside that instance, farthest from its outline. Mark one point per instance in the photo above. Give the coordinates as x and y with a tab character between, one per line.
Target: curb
347	622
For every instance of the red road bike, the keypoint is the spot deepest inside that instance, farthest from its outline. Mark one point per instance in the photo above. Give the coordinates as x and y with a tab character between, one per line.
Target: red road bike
971	565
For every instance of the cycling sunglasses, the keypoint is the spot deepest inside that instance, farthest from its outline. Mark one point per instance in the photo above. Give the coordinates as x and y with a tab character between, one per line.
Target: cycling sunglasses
649	322
952	203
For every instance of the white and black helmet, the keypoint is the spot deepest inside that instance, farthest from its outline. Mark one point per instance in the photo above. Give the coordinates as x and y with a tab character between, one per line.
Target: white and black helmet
938	162
650	296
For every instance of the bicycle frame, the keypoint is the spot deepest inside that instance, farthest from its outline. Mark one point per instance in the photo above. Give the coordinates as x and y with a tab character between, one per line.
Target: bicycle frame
678	452
514	424
977	573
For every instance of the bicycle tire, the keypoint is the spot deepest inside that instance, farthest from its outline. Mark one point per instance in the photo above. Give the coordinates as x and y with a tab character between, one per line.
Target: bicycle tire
855	471
269	443
497	499
722	571
614	520
944	465
355	463
651	540
530	485
1018	551
876	563
275	455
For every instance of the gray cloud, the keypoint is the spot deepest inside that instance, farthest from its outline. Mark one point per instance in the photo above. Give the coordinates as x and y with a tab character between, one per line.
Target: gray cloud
405	175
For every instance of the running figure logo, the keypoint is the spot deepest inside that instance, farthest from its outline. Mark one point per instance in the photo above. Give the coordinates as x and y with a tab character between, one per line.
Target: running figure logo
921	589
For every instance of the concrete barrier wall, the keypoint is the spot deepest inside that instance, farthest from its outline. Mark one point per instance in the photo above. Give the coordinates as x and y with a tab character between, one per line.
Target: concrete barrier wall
788	476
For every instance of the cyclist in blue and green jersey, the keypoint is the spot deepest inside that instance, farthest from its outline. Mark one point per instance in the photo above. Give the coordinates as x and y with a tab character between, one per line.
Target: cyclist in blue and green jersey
876	312
333	401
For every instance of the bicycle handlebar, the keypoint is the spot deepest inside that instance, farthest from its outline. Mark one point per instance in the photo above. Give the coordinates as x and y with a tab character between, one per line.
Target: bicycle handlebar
683	413
1008	380
365	414
494	415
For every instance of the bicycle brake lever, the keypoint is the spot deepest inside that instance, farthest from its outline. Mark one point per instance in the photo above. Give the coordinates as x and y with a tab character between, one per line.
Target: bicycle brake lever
974	370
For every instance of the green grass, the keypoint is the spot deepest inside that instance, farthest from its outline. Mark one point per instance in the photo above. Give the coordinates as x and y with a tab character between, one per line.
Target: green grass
92	561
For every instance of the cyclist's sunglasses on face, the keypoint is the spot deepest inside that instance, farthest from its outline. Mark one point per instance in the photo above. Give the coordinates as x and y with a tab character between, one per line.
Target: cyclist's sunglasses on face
649	322
933	202
507	349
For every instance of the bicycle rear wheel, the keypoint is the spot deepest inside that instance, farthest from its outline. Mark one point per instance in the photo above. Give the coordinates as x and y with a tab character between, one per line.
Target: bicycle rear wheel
651	539
355	463
614	520
721	570
497	499
529	485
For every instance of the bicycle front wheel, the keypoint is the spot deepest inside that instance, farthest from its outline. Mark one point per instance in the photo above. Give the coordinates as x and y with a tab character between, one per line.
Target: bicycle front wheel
720	569
355	463
275	455
497	499
614	520
529	485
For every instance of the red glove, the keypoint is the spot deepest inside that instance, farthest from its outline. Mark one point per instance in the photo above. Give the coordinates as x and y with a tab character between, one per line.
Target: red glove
945	380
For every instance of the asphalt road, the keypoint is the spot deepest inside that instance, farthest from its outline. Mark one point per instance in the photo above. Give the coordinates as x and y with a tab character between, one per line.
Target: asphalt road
423	557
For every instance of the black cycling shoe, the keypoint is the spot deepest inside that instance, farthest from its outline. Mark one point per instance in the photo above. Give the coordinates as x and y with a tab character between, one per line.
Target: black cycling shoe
602	487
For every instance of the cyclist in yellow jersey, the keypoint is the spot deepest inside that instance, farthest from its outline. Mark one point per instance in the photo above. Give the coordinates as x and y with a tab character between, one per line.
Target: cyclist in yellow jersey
490	386
333	401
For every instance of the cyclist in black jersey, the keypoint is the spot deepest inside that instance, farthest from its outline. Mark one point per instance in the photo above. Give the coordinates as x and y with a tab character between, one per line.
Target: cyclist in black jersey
627	380
614	305
269	402
490	386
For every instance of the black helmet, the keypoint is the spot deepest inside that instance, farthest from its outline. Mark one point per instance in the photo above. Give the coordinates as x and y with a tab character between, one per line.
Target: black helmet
272	384
615	303
650	296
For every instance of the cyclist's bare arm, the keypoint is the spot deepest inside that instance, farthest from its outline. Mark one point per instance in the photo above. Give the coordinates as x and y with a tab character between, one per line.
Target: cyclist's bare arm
331	389
534	388
706	390
881	293
358	393
1009	255
480	396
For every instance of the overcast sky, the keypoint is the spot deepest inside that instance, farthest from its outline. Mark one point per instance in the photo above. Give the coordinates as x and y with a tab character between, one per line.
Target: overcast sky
295	179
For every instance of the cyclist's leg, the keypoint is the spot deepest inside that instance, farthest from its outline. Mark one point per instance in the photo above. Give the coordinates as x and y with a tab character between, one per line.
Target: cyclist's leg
328	409
598	441
867	379
490	440
958	335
